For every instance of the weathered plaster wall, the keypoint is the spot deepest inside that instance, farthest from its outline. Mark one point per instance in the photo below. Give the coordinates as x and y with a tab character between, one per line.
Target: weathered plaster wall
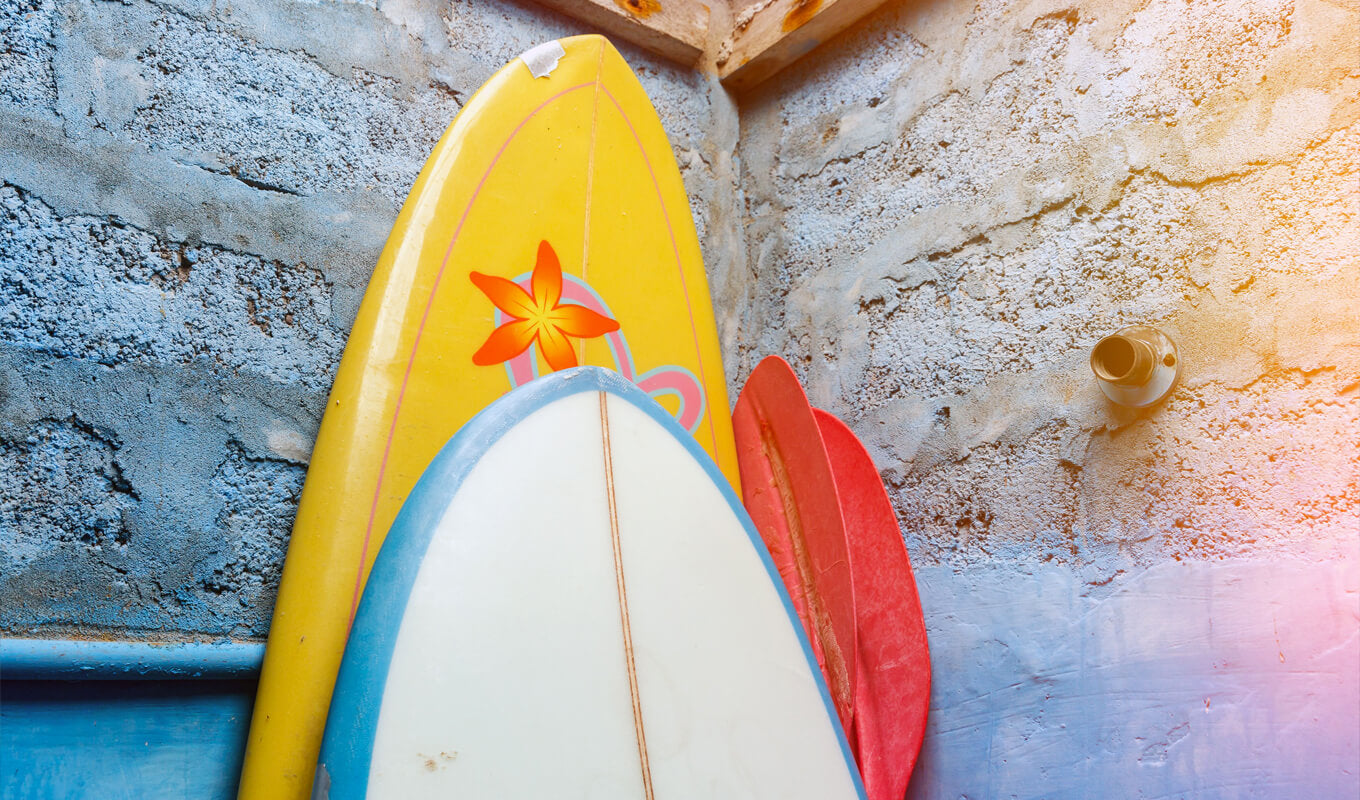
192	196
945	209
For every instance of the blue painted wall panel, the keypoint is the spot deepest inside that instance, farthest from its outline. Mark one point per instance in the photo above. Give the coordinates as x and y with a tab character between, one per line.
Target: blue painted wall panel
1237	679
122	740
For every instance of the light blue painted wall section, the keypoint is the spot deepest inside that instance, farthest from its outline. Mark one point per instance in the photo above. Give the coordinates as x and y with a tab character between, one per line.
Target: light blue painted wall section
1228	680
1235	679
114	720
123	740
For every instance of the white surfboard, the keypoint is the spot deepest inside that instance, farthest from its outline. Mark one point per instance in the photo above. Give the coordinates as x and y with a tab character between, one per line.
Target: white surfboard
572	603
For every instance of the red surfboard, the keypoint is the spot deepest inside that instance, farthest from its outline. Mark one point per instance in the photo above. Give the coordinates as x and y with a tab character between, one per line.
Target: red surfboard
789	491
819	504
892	693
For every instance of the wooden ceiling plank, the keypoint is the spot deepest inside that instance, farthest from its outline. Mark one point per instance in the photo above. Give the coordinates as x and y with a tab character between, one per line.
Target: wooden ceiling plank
772	34
675	29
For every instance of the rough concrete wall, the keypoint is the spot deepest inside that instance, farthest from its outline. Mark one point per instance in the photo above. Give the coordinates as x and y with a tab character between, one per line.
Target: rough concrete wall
945	208
192	196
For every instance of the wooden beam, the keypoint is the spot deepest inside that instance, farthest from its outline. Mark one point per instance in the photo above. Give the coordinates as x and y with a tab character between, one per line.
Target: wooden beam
676	29
771	34
766	35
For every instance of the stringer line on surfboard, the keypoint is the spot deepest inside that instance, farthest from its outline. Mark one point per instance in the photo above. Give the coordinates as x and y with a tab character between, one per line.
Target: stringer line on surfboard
623	598
590	185
675	248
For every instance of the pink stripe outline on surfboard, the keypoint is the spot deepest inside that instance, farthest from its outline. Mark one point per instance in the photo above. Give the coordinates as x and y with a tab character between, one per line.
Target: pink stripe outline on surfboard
675	249
420	330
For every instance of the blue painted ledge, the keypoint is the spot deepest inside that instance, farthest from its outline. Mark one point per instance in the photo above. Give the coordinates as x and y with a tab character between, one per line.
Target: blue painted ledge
65	659
91	720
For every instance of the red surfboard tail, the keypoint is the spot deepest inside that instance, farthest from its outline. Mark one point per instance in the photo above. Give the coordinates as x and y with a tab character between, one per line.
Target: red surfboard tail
790	493
893	688
818	501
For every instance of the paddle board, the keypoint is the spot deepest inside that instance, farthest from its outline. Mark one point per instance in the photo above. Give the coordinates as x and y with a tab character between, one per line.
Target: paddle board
892	690
811	488
549	228
572	603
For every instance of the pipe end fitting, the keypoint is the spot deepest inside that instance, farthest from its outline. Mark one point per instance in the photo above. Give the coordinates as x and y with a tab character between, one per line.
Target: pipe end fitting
1136	366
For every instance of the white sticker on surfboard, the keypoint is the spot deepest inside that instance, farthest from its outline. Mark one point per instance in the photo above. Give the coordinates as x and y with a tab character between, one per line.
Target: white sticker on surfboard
542	59
572	603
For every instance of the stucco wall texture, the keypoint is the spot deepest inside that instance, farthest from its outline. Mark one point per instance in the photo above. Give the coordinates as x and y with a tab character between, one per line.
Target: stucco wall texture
933	217
945	209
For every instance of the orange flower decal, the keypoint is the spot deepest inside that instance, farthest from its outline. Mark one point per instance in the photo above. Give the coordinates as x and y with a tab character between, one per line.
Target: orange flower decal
539	318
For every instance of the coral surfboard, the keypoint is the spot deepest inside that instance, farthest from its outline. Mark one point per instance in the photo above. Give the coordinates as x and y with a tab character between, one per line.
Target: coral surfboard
820	505
790	492
572	603
549	228
892	690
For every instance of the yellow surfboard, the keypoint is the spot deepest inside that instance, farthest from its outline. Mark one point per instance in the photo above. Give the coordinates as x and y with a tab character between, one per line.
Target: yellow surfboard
549	228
